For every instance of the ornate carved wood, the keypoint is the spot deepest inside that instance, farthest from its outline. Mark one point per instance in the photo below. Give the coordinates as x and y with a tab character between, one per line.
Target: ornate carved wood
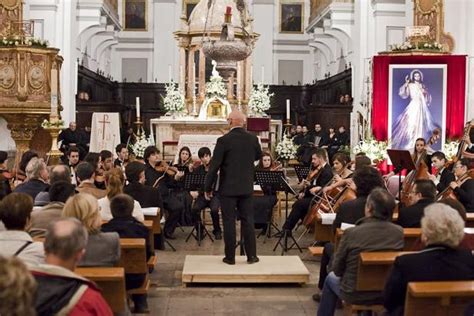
431	13
11	11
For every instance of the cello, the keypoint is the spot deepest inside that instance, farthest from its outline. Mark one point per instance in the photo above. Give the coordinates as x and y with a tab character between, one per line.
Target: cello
420	172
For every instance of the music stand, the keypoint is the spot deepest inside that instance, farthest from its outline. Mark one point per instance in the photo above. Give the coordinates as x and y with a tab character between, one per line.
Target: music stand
301	172
269	179
401	159
195	182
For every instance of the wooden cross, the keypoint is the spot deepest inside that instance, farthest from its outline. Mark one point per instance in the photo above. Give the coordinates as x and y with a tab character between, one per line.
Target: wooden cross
104	121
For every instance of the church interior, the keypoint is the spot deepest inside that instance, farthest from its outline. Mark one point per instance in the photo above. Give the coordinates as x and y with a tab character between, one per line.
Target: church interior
120	192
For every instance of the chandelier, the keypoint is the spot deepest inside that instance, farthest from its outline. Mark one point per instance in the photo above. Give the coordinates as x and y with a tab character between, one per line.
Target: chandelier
227	50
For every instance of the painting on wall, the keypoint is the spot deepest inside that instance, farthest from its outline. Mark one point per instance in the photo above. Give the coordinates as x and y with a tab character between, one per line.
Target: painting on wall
189	8
135	15
417	105
291	18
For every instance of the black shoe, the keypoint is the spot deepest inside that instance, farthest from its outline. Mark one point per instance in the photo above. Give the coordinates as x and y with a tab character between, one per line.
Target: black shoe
228	261
253	260
317	297
217	235
141	305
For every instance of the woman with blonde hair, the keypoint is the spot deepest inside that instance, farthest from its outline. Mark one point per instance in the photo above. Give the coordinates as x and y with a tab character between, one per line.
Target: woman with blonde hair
103	249
115	182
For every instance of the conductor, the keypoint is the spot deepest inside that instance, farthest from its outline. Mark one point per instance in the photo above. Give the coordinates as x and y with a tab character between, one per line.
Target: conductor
234	155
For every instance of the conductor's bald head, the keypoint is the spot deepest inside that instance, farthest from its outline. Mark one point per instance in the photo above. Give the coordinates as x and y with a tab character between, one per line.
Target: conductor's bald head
236	118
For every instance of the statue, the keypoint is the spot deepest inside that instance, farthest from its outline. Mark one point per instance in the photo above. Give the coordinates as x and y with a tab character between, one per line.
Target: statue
215	73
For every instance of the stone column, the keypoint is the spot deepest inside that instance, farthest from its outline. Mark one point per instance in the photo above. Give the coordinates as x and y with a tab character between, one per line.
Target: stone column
189	94
202	75
230	89
182	68
248	78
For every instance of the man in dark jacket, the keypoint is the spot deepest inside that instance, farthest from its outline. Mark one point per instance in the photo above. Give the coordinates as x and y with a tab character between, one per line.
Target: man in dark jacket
127	226
463	187
442	229
423	194
234	156
444	176
36	178
374	232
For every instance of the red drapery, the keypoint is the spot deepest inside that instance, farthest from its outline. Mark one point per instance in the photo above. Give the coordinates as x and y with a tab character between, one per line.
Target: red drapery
455	96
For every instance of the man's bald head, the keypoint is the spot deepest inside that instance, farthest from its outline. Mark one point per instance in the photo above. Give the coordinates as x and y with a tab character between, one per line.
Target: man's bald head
65	238
60	173
236	119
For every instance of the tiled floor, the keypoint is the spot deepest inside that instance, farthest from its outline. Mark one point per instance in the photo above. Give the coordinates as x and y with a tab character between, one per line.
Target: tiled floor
167	296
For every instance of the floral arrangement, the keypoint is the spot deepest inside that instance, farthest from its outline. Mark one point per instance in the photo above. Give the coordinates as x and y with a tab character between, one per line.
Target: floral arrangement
375	150
450	149
216	87
141	144
259	100
50	124
12	41
174	99
435	46
286	149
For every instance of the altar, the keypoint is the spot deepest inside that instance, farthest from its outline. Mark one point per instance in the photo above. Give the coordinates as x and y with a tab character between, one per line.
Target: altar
166	130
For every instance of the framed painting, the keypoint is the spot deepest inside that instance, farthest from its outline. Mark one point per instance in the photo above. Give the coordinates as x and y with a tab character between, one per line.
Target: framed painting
189	7
291	17
135	15
417	105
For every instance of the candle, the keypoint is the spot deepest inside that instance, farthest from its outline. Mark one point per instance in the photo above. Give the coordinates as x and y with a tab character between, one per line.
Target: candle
137	102
169	73
288	110
263	73
228	10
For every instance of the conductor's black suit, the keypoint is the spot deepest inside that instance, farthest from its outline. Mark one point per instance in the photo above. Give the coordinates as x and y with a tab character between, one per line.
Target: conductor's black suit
234	155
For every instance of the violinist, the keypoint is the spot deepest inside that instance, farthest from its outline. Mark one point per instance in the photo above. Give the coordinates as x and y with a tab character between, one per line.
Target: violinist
184	165
122	156
463	187
318	178
263	205
443	176
159	174
94	160
73	161
5	176
467	143
200	202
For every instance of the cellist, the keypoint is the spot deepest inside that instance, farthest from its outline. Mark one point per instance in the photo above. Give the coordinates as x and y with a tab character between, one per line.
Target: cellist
319	161
463	187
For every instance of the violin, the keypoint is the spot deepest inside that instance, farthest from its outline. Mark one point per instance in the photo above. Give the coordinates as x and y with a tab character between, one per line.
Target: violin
165	168
276	167
314	173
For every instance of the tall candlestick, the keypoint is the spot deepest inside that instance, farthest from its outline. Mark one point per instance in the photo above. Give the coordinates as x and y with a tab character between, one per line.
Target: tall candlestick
288	110
169	73
54	92
137	102
263	73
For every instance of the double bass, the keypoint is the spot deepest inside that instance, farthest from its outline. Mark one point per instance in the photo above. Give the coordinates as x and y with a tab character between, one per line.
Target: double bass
420	172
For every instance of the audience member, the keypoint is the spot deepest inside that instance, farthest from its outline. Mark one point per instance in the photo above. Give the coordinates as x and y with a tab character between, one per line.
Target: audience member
36	178
20	174
60	290
15	212
57	173
115	182
127	226
442	229
5	176
103	249
374	232
17	288
423	194
85	176
59	192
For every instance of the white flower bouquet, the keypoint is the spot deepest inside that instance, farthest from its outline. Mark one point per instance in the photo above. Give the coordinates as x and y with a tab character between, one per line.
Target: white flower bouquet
286	149
259	100
142	143
406	46
450	149
16	40
52	124
174	99
216	87
375	150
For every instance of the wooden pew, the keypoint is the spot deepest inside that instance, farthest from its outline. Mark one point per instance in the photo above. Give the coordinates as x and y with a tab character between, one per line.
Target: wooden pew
111	280
410	236
438	298
469	219
322	232
133	260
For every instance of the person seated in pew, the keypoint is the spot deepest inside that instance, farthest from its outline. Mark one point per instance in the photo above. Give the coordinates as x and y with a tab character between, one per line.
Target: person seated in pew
263	204
442	229
60	291
423	194
37	178
115	182
463	187
59	192
374	232
127	226
57	173
15	213
200	202
443	176
321	179
158	175
85	174
102	249
17	288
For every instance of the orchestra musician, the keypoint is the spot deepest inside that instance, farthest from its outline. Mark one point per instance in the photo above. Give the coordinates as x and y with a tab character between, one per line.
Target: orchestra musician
342	174
5	176
419	151
94	160
73	161
122	156
200	202
263	204
159	174
443	176
315	184
463	187
468	142
184	165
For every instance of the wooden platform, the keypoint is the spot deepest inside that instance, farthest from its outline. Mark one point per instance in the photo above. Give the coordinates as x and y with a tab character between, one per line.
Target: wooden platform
270	269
